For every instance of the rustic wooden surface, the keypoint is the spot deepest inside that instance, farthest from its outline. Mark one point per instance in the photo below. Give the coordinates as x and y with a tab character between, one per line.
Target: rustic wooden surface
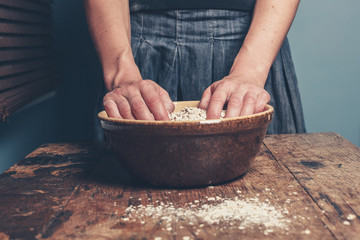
328	169
35	190
79	191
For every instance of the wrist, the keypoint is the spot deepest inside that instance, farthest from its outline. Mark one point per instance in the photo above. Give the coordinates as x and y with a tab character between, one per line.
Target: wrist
123	71
250	68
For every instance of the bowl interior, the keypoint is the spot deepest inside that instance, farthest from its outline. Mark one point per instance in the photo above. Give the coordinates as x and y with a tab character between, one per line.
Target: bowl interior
183	104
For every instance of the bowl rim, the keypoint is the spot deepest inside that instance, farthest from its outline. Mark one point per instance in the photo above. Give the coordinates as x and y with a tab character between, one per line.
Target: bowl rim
102	115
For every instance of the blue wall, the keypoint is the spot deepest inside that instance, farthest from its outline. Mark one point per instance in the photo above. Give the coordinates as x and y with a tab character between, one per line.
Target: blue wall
25	131
324	40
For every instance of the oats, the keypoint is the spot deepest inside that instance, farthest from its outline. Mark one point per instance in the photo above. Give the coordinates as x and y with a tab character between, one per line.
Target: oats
191	114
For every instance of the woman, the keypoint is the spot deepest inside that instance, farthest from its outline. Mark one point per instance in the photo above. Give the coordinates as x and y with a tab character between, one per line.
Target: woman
232	52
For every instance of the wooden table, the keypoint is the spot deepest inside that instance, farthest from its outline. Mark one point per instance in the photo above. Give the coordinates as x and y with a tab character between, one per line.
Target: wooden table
71	190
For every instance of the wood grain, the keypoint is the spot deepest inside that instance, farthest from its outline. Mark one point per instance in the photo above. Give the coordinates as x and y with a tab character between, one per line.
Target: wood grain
108	191
58	192
34	191
327	167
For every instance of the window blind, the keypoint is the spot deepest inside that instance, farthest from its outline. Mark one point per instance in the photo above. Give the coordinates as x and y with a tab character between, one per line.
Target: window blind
27	68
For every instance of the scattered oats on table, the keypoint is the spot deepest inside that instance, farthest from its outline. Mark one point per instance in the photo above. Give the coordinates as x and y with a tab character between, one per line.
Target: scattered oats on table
239	213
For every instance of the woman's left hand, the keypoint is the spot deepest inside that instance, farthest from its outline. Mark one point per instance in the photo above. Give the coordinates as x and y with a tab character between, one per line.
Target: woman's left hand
243	97
243	89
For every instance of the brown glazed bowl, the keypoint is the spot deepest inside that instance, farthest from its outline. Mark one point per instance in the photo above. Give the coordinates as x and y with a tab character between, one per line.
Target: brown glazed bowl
187	153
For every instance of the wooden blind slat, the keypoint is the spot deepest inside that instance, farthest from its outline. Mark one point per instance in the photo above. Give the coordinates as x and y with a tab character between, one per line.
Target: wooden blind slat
23	89
23	16
27	68
22	78
22	54
14	99
24	66
24	41
18	28
27	5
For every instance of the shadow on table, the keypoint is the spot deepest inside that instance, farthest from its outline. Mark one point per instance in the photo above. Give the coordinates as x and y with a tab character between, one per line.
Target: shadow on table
110	172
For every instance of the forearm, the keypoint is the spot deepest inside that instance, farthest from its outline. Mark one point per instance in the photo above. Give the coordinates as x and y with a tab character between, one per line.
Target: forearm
109	24
270	24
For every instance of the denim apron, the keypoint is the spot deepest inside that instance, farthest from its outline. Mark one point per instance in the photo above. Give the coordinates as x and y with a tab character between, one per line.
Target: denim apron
184	51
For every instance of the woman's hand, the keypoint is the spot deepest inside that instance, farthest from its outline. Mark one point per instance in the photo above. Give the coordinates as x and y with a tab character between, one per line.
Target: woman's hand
243	97
129	95
142	100
243	89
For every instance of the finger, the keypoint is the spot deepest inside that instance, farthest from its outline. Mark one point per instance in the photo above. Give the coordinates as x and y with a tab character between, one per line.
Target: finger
263	99
216	104
124	108
205	99
165	98
235	104
249	104
139	107
153	102
111	108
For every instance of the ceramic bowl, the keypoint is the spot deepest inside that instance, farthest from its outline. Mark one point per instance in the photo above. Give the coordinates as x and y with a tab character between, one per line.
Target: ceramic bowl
187	153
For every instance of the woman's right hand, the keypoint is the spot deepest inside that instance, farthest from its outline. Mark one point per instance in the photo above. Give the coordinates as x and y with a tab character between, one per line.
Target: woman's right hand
129	95
141	99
